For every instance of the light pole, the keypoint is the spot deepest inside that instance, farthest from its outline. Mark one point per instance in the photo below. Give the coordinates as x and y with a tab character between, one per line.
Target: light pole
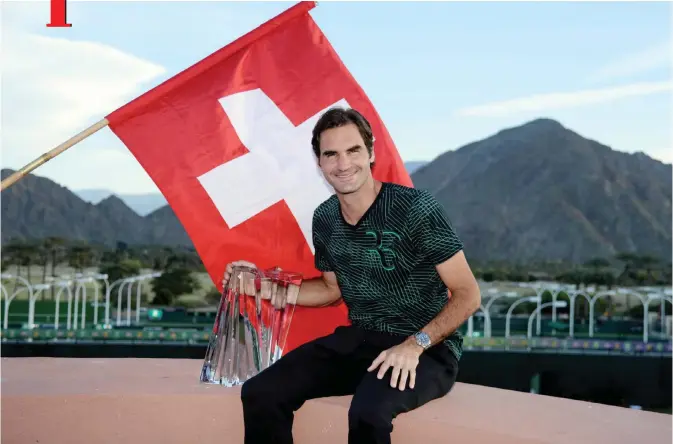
119	297
571	311
508	317
538	312
108	290
553	289
470	321
139	292
4	293
81	281
487	307
11	298
64	285
646	306
600	294
31	303
122	282
69	324
95	277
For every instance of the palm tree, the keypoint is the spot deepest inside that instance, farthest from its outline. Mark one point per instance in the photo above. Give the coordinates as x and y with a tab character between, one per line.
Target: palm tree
55	250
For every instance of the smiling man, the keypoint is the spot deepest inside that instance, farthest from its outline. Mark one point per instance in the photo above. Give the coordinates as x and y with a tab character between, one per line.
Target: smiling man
391	254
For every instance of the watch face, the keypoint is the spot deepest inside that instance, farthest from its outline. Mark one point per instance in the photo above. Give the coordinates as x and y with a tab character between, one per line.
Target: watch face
423	339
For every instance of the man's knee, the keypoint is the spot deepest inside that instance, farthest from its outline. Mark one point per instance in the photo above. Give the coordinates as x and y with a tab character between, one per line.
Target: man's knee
258	390
370	413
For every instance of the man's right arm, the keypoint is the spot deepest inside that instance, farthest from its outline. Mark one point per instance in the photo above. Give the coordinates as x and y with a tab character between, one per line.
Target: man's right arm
319	292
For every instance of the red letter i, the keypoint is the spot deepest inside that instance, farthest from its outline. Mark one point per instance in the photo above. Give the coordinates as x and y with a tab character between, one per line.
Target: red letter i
58	15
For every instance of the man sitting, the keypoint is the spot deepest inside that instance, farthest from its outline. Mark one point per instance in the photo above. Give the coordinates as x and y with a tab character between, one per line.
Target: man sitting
391	254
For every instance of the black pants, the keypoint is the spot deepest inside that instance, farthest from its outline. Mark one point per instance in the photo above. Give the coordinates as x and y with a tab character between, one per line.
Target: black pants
336	365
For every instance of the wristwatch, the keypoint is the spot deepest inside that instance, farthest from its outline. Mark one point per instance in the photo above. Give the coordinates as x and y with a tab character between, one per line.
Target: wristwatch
423	340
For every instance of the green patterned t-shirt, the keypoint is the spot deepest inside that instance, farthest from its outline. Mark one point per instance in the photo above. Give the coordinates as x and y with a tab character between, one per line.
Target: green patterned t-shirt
385	264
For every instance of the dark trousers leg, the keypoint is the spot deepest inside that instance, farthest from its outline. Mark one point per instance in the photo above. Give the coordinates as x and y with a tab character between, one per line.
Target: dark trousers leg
375	403
321	368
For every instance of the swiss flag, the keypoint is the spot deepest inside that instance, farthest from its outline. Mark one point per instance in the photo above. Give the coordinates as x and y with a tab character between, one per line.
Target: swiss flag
227	141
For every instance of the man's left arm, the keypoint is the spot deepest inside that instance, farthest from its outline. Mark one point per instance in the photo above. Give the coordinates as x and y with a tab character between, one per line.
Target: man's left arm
440	245
465	299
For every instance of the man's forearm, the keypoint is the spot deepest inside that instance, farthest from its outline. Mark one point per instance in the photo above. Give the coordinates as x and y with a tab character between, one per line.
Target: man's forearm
458	309
317	293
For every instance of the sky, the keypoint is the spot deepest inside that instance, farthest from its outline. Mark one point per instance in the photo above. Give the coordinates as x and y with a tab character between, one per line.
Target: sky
440	74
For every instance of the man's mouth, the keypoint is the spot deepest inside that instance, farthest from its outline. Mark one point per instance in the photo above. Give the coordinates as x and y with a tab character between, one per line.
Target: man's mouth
345	176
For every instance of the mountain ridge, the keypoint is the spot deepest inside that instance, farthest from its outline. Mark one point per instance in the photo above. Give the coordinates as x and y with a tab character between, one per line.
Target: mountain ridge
513	192
537	191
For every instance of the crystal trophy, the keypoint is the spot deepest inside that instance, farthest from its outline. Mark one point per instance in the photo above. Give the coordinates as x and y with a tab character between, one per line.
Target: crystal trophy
251	326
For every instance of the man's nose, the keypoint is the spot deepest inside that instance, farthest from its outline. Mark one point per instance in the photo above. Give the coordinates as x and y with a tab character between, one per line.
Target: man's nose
343	162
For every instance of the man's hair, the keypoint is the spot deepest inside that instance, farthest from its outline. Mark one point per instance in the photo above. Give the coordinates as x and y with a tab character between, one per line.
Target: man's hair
337	117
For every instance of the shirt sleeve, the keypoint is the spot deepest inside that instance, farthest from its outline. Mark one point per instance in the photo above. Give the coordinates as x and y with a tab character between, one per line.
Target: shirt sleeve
321	260
432	229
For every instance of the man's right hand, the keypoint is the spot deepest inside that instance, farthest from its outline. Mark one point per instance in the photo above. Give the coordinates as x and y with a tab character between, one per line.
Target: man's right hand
230	267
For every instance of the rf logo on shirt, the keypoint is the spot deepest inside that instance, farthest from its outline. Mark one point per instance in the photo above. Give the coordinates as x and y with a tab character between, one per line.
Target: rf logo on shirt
383	240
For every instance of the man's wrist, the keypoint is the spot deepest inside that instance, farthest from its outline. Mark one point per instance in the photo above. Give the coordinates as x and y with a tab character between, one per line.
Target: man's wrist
421	340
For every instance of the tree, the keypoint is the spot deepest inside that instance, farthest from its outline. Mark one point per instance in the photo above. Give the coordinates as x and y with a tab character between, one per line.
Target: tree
173	282
22	255
213	296
80	256
122	269
54	249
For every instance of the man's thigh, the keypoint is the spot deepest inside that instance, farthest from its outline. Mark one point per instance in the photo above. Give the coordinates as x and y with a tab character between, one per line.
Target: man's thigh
323	367
377	403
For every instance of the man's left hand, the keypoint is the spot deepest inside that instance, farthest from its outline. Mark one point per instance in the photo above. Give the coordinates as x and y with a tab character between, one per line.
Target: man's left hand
403	359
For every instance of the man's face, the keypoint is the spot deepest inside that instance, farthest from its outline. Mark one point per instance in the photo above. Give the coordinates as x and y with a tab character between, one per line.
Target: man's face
344	159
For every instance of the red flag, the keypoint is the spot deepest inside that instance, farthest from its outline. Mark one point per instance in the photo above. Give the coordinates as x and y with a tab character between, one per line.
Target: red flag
227	141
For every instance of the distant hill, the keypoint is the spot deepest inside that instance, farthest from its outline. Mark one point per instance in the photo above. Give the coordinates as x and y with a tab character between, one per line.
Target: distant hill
541	191
538	191
143	204
36	207
414	165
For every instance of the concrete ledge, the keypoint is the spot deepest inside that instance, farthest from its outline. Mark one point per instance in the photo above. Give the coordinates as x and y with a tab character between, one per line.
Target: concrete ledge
69	401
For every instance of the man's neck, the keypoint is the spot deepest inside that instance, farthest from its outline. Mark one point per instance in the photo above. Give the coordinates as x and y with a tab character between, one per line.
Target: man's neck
355	205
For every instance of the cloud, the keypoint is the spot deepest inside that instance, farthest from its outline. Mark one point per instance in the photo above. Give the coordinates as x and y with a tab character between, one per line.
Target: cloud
648	60
561	100
53	88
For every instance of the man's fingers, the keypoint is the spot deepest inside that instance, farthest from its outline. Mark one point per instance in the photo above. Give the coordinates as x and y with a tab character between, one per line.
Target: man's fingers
242	263
412	378
230	268
379	359
384	368
394	376
403	379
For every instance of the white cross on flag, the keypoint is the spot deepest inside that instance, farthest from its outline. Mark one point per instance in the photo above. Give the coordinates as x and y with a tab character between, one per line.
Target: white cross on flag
228	143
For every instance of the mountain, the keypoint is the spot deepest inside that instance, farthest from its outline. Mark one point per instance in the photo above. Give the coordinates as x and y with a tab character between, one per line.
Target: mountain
146	203
36	207
538	191
143	204
541	191
413	165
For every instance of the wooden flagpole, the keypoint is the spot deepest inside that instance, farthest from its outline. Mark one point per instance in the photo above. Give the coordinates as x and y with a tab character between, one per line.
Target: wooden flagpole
15	177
